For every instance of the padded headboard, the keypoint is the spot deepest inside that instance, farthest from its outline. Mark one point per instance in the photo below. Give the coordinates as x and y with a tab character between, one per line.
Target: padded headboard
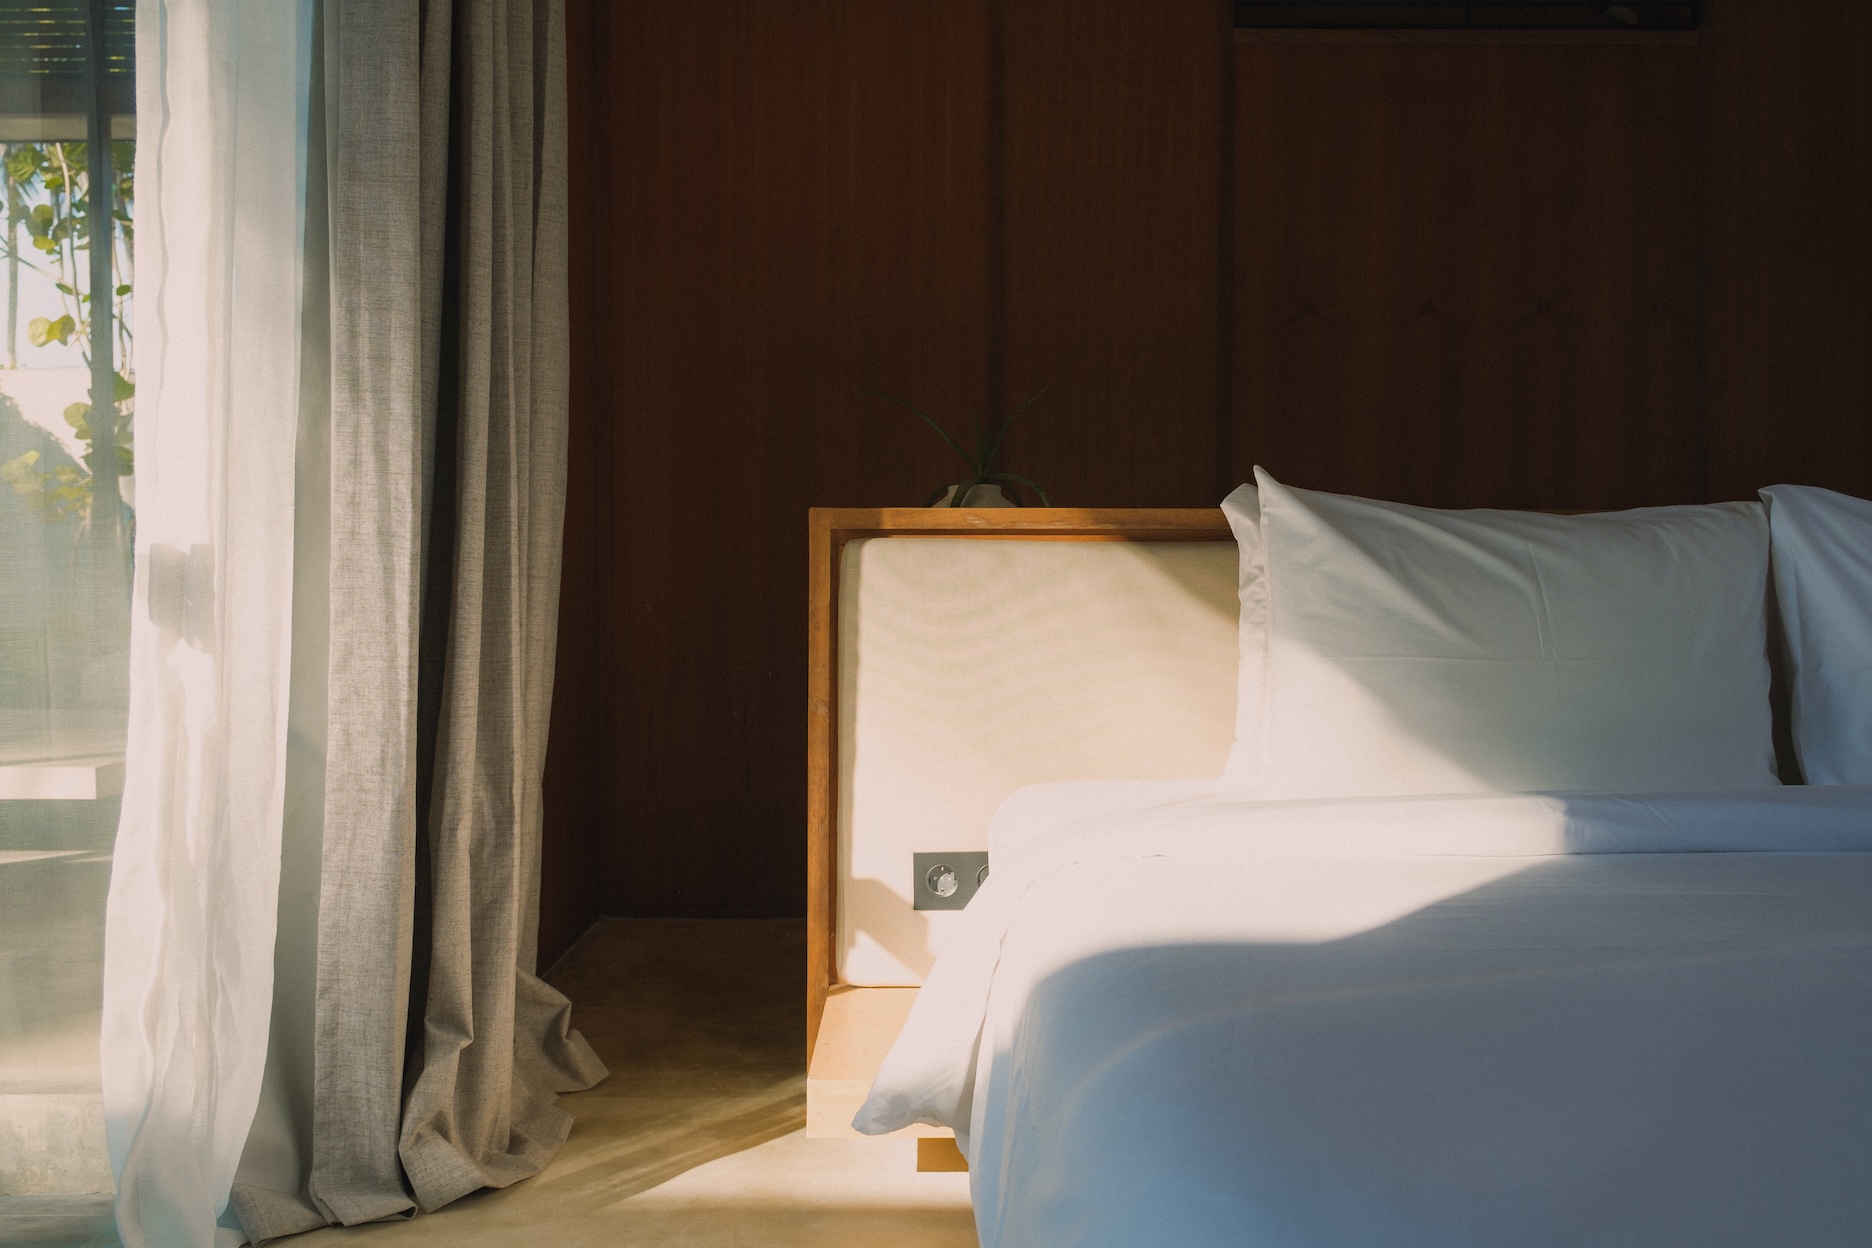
948	670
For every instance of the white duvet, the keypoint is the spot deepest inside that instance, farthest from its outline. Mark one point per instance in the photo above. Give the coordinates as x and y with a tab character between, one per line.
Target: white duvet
1483	1021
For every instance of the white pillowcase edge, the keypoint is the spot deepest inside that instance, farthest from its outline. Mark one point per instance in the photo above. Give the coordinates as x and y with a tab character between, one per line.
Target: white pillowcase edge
1246	759
1247	762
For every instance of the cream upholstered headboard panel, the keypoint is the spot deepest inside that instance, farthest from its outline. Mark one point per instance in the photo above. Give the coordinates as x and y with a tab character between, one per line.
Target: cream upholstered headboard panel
970	668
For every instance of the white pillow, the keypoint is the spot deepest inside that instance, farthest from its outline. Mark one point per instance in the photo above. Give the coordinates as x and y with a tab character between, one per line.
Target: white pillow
1419	651
1823	583
1243	509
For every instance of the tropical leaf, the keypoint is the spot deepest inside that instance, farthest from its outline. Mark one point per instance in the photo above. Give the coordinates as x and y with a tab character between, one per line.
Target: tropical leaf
21	474
994	452
42	332
989	440
23	162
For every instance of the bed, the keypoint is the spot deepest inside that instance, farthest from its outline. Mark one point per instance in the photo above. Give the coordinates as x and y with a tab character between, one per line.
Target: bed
1422	997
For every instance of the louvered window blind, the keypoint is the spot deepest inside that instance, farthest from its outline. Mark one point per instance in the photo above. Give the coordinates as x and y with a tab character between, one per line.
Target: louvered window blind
42	58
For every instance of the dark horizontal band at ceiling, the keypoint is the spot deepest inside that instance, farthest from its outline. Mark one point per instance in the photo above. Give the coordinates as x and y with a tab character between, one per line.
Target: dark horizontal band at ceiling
1414	15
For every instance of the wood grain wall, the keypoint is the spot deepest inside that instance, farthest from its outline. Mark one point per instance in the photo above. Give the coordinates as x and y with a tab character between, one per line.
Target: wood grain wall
1468	274
1790	263
1456	270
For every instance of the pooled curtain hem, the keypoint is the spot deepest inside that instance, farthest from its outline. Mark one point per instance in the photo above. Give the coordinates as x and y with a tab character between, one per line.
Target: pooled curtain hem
439	1170
552	1059
266	1215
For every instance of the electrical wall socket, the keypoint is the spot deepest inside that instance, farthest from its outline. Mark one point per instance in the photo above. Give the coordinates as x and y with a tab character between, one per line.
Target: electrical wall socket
946	881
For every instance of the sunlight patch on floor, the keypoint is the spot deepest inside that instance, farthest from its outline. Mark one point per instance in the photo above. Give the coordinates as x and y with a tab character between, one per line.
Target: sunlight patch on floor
697	1138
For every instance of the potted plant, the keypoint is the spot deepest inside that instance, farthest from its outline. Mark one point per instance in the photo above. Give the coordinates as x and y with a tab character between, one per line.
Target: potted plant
982	487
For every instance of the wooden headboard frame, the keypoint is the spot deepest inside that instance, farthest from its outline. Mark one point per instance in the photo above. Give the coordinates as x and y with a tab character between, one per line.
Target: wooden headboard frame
830	529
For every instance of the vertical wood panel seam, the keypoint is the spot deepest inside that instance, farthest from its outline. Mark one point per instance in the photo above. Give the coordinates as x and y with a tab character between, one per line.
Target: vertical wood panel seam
1225	259
997	208
1703	312
603	749
608	861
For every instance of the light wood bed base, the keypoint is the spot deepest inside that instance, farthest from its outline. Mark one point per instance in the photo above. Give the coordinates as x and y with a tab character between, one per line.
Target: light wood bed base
844	1044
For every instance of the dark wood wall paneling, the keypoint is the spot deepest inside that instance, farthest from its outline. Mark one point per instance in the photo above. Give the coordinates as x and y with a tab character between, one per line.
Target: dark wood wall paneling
1114	152
795	209
1469	272
1790	339
1463	270
579	805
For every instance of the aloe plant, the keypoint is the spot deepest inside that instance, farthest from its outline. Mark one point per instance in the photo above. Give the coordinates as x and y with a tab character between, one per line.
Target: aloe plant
988	441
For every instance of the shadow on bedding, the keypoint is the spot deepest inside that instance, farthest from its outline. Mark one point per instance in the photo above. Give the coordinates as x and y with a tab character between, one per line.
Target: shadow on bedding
1608	1050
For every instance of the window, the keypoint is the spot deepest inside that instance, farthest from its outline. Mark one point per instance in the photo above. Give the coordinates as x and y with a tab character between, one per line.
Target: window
67	492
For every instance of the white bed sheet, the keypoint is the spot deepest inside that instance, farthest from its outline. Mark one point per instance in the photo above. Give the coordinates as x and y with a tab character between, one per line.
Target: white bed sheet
1483	1020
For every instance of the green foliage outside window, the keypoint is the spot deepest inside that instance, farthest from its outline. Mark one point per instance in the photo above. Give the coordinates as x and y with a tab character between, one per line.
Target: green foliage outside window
47	229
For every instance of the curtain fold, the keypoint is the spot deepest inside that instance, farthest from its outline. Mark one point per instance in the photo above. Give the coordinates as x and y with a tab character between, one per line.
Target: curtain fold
386	71
352	481
437	1053
496	1049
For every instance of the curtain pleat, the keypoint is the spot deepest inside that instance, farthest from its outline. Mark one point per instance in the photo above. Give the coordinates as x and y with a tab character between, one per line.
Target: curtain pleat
386	152
438	1054
496	1048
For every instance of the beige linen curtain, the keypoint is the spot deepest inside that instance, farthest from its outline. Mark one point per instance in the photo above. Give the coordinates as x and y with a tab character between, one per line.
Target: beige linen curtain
496	1048
436	1052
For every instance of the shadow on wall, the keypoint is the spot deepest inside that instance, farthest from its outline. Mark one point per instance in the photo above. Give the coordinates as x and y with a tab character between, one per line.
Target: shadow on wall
969	669
907	942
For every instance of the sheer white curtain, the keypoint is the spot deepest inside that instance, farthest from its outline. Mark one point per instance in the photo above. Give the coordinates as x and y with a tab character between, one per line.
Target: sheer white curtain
188	977
360	654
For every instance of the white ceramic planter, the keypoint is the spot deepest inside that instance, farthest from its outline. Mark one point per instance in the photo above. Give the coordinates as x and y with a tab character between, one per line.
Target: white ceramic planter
978	496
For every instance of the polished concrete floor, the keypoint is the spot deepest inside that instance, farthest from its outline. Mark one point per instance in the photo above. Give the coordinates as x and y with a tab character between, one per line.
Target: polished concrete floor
696	1138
